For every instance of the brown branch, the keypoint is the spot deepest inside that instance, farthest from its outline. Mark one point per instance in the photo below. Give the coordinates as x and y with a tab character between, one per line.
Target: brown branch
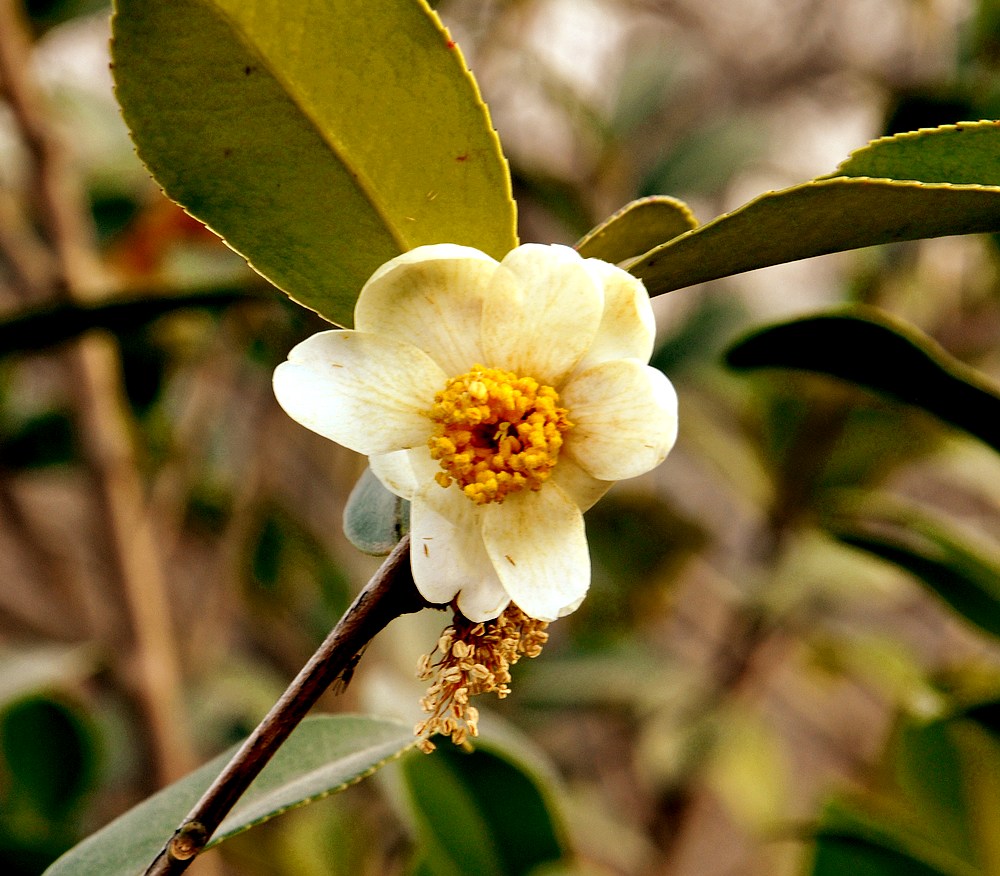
389	594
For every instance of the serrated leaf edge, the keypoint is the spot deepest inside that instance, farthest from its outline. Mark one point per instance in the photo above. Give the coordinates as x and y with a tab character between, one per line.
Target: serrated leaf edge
908	135
819	182
222	837
336	147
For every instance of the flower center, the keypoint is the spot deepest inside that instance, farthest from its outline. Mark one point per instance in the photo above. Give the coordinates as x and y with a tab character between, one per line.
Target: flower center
496	433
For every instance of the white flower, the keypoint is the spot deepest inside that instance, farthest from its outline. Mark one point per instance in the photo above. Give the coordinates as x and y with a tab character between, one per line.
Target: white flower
502	399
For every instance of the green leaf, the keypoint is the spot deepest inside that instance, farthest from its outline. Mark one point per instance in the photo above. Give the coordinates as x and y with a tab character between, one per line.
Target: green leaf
636	228
837	855
939	813
323	756
871	349
43	440
929	770
962	154
41	327
481	812
961	570
319	139
879	840
960	195
49	756
375	519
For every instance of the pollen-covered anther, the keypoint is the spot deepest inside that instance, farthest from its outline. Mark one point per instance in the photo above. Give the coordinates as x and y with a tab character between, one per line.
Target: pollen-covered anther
476	659
496	433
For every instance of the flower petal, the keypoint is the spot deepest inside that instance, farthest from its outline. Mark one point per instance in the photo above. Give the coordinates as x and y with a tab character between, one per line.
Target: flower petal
364	391
537	543
625	419
447	554
483	602
403	472
431	297
628	327
541	312
581	487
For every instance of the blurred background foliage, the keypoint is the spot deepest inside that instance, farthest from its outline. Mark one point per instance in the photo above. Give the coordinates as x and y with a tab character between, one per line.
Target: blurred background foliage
764	678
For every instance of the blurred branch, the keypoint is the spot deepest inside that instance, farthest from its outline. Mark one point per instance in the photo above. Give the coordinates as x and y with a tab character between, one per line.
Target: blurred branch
28	262
94	374
60	589
51	324
388	595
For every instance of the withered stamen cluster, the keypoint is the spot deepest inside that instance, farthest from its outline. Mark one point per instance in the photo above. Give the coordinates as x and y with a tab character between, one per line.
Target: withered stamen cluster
473	658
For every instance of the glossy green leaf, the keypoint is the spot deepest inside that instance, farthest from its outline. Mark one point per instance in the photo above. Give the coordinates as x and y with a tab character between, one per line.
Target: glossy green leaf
375	519
962	570
960	195
481	813
319	139
636	228
323	756
871	349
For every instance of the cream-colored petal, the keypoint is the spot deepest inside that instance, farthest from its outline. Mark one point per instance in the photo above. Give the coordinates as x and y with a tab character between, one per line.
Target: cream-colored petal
628	327
446	550
542	312
432	298
483	602
364	391
581	487
537	543
625	419
403	472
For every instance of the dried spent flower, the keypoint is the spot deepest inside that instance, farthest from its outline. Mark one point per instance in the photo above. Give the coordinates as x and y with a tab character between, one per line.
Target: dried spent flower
472	659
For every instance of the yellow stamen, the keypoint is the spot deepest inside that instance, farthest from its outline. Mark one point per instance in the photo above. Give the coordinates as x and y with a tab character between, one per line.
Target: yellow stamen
496	433
473	658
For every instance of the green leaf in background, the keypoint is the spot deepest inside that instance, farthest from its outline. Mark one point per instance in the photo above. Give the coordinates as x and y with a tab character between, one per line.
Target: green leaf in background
319	139
289	567
48	765
49	753
871	349
937	814
43	440
853	842
847	211
481	813
375	519
961	569
324	755
636	228
928	768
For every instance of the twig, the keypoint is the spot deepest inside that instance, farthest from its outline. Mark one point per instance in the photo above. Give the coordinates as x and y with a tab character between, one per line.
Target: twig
389	594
